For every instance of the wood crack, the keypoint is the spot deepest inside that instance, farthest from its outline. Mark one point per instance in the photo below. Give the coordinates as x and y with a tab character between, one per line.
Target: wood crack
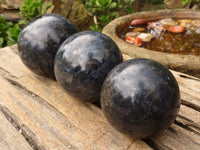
189	77
172	130
190	101
47	105
22	129
50	119
151	143
191	105
188	127
156	146
4	73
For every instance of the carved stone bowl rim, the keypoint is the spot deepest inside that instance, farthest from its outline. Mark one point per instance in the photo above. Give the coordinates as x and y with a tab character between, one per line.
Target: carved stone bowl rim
185	63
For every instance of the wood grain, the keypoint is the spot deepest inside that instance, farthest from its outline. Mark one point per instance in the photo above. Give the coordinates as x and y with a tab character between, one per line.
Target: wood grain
185	133
50	119
10	138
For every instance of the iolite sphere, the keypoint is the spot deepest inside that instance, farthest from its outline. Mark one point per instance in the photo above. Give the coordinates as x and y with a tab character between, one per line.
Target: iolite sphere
40	39
82	63
140	97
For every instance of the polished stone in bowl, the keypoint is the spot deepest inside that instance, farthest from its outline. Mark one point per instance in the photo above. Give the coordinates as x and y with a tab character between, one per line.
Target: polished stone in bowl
184	63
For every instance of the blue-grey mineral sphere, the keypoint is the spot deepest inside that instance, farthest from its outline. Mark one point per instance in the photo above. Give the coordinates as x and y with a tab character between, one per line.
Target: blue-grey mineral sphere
140	97
40	39
82	63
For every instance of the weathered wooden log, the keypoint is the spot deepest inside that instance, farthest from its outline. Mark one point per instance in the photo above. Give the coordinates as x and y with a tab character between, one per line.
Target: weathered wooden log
48	118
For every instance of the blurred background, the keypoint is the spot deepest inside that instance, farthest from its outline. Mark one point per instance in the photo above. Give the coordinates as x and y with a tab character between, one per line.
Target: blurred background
86	14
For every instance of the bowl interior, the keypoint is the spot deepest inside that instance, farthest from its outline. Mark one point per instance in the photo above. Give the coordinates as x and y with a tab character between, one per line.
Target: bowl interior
183	63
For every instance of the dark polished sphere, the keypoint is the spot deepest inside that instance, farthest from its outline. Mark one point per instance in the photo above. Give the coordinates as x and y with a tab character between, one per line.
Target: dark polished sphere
40	39
83	61
140	97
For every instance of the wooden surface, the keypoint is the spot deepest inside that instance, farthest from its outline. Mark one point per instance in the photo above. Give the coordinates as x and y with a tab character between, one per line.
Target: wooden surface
36	113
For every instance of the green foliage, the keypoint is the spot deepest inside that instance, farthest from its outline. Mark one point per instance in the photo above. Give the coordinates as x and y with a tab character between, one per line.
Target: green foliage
104	11
5	32
94	7
33	8
4	27
30	9
13	34
96	27
185	2
127	5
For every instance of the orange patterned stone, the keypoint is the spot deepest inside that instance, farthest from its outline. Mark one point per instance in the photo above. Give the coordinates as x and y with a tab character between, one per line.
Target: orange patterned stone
176	29
138	22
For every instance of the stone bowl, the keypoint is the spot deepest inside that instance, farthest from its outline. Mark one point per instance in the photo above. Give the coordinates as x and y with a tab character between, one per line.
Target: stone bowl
184	63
